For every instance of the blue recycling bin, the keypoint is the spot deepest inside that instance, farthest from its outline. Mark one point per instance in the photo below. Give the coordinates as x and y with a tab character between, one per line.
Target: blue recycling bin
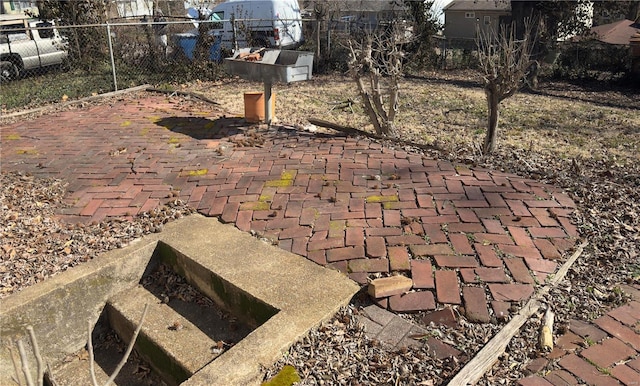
215	51
187	43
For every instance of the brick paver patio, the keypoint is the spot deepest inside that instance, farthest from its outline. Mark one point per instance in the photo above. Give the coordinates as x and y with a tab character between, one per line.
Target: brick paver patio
474	237
477	238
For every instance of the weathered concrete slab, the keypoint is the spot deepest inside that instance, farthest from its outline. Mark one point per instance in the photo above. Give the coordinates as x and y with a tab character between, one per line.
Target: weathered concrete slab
304	293
58	308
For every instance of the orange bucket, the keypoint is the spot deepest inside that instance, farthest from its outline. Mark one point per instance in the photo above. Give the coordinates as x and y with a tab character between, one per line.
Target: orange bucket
254	106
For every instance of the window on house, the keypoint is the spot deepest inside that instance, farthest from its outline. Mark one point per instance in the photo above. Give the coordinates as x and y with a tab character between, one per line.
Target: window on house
487	20
469	15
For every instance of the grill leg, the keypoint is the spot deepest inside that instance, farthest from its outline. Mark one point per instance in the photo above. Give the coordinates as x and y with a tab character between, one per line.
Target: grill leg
267	103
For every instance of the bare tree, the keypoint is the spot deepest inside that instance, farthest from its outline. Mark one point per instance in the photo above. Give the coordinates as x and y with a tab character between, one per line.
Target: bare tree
504	62
375	64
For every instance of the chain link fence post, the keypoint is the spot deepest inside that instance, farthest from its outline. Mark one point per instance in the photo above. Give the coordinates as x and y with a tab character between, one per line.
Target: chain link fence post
113	62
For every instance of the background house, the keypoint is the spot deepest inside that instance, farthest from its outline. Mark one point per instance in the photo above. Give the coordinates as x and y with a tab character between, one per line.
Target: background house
619	32
17	7
133	8
602	15
369	13
462	18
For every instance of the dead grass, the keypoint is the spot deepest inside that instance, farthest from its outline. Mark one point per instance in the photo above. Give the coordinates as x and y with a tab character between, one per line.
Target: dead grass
449	111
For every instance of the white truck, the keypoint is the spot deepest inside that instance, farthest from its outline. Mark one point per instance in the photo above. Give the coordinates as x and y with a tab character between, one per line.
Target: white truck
28	44
258	23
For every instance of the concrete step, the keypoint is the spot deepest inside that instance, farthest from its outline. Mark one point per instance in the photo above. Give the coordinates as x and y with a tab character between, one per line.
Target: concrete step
108	352
76	371
172	345
278	295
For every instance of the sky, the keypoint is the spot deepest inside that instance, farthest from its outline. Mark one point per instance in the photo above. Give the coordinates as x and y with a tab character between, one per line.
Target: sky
438	5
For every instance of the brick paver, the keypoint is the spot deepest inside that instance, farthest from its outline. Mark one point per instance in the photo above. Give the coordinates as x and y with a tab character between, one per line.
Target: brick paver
396	332
348	203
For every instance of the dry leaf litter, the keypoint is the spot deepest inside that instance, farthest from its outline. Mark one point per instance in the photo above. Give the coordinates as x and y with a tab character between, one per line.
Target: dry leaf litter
35	245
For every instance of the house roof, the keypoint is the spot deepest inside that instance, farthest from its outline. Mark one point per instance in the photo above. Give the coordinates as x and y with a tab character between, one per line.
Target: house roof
619	32
478	5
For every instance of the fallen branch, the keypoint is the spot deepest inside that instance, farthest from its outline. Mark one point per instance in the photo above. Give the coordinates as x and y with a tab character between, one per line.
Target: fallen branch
36	352
16	368
25	364
484	360
353	131
92	371
183	93
339	127
72	103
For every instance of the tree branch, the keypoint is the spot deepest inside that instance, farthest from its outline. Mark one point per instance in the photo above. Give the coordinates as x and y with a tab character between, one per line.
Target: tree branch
25	364
378	58
16	368
92	371
36	352
129	348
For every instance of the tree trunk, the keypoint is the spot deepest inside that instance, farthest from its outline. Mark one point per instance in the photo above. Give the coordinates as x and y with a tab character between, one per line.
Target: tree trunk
534	71
74	17
389	129
318	27
369	108
492	129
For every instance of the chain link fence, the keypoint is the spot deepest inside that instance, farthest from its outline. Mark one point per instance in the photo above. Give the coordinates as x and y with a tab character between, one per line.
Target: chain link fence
87	60
41	63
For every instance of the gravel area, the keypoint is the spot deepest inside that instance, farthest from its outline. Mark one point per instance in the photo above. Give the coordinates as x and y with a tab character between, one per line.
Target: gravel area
34	245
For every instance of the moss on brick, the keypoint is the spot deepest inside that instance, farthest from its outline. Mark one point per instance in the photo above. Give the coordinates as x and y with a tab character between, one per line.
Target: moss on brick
278	183
393	198
287	175
198	172
254	206
27	151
